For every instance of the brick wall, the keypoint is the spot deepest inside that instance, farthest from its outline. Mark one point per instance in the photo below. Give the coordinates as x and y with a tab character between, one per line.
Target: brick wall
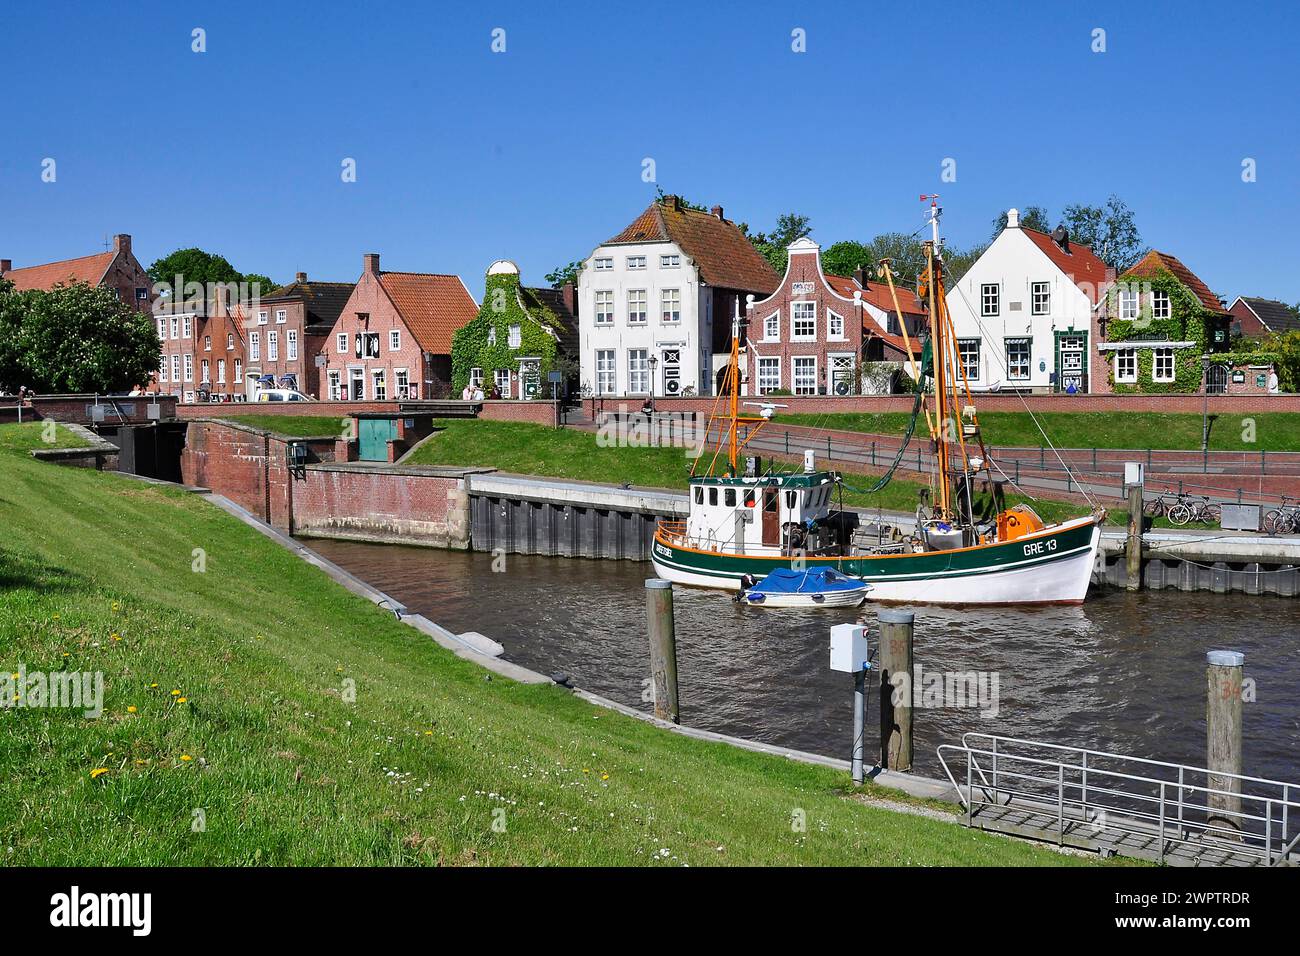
539	413
73	408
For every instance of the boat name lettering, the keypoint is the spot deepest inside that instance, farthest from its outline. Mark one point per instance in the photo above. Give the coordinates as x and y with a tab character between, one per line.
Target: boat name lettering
1040	547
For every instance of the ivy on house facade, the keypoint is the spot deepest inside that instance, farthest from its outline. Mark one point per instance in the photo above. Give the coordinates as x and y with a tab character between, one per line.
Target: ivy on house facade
512	344
1187	321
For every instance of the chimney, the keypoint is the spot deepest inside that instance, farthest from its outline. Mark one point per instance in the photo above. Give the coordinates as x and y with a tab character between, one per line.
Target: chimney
677	203
569	295
1013	218
301	278
371	261
860	276
6	265
1061	236
716	211
122	244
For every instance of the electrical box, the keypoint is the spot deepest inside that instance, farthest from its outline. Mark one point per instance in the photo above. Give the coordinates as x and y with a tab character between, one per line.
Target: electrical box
1134	473
809	461
848	647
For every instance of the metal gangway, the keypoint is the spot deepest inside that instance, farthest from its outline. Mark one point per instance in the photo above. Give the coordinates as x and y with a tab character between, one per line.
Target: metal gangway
1120	805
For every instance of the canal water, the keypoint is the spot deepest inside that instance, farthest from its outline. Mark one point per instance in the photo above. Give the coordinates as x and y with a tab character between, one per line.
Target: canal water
1124	672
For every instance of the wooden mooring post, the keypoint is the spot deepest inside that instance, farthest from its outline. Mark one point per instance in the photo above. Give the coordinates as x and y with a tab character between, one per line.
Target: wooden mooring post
1223	735
1133	547
663	648
896	690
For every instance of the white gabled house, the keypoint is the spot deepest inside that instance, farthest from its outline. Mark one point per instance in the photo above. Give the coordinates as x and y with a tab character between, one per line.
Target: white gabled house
1023	312
656	301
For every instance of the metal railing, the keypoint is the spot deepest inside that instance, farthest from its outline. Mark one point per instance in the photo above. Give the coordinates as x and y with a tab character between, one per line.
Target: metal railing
1115	794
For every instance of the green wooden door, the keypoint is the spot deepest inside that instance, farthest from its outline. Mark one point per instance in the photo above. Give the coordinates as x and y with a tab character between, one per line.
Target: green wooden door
373	436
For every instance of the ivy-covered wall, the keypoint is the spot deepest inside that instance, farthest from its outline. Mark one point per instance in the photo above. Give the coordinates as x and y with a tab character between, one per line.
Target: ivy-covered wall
1189	321
473	347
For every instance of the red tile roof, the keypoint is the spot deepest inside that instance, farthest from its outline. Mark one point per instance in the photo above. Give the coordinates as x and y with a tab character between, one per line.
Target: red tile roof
87	269
1084	269
432	306
1154	262
722	253
878	295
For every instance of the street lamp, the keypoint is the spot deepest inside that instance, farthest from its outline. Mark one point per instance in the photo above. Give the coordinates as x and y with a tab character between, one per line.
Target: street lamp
654	363
1205	408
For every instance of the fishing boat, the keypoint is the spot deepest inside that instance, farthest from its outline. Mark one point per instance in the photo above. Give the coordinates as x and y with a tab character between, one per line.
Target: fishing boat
962	547
815	587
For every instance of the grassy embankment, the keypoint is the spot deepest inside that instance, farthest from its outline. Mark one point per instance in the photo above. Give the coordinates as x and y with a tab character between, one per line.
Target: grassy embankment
567	453
226	702
294	426
1272	431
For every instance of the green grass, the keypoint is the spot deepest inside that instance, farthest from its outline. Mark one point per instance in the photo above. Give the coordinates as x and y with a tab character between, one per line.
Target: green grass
1272	431
34	436
244	668
568	453
296	426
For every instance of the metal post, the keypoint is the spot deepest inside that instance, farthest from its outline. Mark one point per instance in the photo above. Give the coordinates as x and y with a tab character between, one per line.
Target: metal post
1060	804
995	772
1223	734
1162	821
896	629
663	648
1083	796
859	723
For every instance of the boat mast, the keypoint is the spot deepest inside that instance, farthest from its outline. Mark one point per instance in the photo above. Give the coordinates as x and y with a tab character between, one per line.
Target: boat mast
733	373
934	275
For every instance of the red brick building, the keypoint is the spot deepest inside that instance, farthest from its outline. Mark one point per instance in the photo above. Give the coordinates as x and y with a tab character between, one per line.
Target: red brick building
287	329
116	268
392	338
1258	318
813	335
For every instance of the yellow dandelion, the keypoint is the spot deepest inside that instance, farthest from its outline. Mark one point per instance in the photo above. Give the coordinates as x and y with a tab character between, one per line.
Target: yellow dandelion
186	757
131	709
604	776
428	733
117	637
56	617
181	700
97	772
117	606
140	763
585	770
176	693
153	685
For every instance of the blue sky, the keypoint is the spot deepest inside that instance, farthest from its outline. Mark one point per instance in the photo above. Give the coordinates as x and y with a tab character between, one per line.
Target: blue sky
465	156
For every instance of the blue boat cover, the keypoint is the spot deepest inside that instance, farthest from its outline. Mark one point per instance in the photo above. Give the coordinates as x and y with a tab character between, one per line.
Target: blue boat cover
811	581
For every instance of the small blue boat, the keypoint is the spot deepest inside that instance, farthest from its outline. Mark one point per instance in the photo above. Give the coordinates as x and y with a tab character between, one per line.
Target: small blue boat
814	587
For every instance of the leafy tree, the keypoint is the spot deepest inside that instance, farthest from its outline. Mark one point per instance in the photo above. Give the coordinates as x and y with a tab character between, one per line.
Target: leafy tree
841	258
1109	231
264	284
567	273
957	262
75	338
195	265
662	197
789	227
1032	217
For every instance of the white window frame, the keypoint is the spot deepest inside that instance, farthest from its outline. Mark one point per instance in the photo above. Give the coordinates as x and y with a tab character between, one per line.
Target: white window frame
834	326
670	306
972	370
764	384
772	327
273	346
281	316
672	261
335	378
638	371
261	317
636	263
604	311
401	382
1158	299
187	327
606	371
162	328
221	371
794	374
207	343
291	344
394	340
341	343
205	372
255	346
1156	355
515	336
189	367
503	382
176	367
1126	357
230	341
379	384
1129	307
990	299
162	369
603	264
638	306
796	319
239	372
176	327
1040	292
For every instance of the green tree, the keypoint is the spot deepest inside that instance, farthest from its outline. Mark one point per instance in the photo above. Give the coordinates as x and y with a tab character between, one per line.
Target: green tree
567	273
75	338
841	258
1110	231
1031	217
184	266
789	227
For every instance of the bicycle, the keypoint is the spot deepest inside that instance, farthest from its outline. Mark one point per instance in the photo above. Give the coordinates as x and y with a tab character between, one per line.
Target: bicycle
1189	509
1283	519
1158	507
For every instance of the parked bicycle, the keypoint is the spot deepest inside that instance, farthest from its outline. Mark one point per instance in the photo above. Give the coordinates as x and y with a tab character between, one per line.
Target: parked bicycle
1158	507
1284	519
1188	509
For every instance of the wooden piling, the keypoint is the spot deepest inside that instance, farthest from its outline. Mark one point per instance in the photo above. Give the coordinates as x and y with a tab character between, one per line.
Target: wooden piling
663	648
1223	735
1133	549
896	690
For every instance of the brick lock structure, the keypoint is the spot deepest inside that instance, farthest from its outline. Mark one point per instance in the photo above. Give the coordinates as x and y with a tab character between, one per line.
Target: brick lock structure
392	338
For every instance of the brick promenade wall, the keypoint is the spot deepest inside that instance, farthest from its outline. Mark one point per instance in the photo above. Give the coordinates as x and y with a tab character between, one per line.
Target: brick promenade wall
985	402
541	413
73	408
328	499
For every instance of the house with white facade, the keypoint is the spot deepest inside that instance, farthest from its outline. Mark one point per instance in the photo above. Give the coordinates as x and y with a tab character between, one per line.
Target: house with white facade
655	302
1023	312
